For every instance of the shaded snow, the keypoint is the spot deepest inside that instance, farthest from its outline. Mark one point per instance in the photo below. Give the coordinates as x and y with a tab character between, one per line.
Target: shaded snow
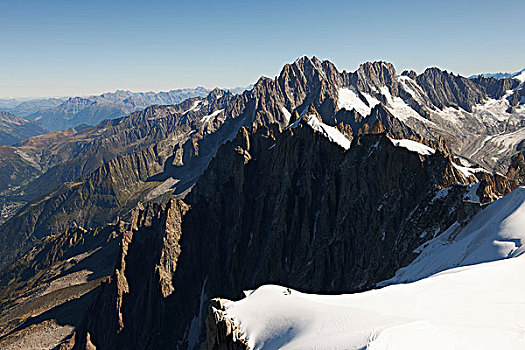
413	146
471	195
286	113
442	193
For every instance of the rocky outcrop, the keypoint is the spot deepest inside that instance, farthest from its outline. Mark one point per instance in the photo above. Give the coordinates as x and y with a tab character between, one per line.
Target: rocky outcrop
129	311
44	294
373	75
221	332
496	88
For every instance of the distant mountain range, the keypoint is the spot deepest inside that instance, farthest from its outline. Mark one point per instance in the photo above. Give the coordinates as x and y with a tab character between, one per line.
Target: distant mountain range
64	113
14	129
91	110
516	75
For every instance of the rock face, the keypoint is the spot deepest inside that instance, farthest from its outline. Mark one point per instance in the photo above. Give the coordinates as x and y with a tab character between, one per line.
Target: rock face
128	311
221	332
448	90
278	207
14	129
165	148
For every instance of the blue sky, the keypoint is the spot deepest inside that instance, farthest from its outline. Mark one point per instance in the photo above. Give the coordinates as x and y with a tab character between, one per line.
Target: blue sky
58	48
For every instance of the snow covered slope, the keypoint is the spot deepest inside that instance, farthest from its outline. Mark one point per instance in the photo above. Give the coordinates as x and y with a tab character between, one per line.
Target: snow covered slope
497	232
478	305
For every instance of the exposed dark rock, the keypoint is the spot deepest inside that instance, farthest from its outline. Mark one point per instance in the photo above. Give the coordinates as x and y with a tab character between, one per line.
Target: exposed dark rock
496	88
448	90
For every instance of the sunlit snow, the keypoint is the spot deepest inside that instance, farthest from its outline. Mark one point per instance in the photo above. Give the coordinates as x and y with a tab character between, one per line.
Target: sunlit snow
209	117
413	146
349	99
329	132
399	108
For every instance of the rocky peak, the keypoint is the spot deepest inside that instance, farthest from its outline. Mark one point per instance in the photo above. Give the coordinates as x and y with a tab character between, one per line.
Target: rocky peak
379	72
371	76
496	88
445	89
147	261
409	73
217	93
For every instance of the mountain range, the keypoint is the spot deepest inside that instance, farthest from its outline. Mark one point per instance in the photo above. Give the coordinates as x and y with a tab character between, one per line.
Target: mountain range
516	75
117	235
14	129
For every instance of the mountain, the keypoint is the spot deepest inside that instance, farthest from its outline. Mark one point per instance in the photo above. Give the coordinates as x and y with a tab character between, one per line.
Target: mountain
321	180
517	75
26	107
14	129
305	222
473	302
92	110
111	167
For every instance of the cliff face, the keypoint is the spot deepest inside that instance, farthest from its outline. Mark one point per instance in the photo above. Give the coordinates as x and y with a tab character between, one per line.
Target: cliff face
129	310
284	207
175	143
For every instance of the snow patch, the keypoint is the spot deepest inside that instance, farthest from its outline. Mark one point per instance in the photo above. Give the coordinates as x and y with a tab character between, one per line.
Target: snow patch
413	146
442	193
194	107
286	114
330	132
471	195
348	99
400	109
520	77
468	171
209	117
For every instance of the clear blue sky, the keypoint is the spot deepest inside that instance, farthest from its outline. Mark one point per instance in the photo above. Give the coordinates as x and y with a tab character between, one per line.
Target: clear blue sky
56	48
